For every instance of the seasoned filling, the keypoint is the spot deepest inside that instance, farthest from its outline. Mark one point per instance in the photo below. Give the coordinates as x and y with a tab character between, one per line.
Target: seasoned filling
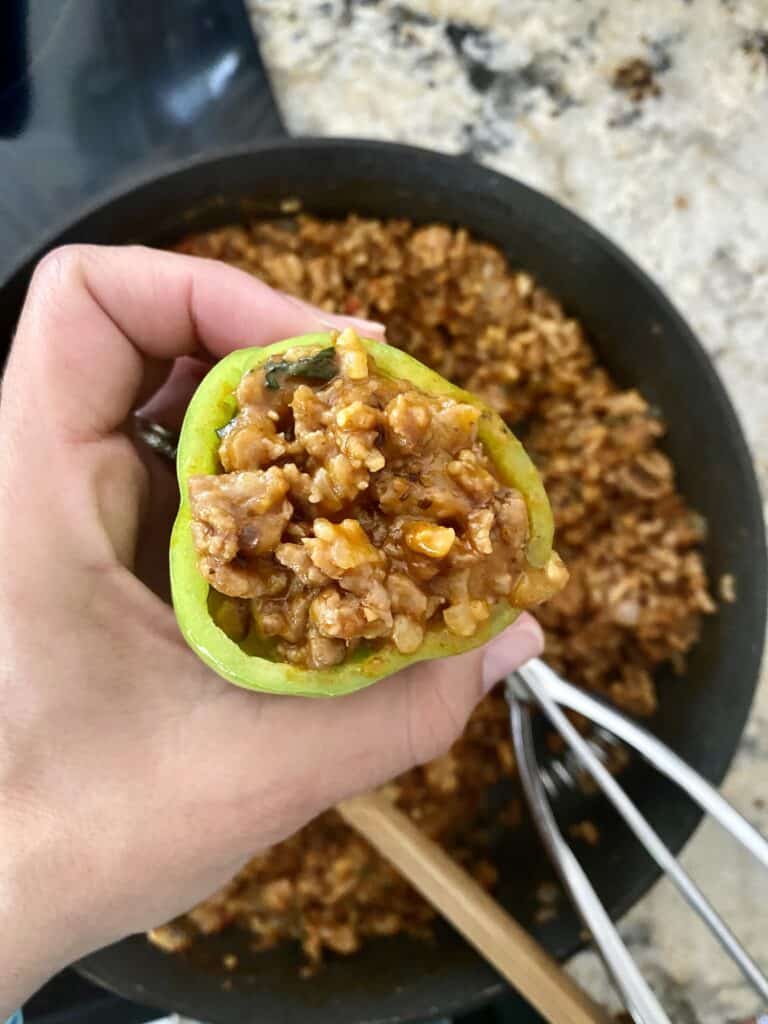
353	509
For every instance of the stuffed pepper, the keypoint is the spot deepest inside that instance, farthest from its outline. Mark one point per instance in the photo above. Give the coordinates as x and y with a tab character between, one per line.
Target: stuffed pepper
345	511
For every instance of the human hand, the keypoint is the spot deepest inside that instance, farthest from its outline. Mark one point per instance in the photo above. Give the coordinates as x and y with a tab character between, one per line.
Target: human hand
133	781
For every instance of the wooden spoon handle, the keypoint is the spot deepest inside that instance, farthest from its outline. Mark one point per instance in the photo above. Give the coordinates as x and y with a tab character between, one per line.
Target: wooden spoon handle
479	918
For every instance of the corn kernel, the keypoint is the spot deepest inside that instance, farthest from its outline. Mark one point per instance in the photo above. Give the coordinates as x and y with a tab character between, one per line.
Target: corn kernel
345	545
353	359
479	610
357	416
537	585
464	618
428	539
460	620
232	616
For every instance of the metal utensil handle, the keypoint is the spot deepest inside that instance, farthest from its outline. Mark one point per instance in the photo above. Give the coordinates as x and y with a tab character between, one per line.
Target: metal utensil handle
654	751
644	832
635	991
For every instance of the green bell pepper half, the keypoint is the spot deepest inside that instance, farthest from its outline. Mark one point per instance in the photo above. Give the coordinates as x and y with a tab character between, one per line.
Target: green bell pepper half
211	408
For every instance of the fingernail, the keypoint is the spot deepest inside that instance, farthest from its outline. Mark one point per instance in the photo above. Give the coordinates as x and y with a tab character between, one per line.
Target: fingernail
519	643
368	328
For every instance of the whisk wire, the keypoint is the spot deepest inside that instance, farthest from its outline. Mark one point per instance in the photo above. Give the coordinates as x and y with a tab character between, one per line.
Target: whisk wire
635	991
549	690
648	746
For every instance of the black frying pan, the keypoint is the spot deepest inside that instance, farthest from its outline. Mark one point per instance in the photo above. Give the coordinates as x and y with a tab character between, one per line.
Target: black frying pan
644	343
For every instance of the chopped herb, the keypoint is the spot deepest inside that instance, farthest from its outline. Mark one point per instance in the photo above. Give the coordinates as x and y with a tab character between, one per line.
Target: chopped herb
320	366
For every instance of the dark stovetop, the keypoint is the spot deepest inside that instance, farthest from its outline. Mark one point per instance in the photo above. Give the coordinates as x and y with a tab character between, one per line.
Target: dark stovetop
94	93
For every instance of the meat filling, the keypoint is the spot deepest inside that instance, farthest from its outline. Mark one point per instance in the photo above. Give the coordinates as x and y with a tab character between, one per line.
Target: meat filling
352	509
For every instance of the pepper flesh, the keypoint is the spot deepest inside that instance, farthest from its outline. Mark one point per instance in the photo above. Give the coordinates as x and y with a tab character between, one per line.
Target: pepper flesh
211	409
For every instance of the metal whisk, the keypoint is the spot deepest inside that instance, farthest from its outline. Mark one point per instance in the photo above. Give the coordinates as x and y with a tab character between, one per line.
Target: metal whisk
536	682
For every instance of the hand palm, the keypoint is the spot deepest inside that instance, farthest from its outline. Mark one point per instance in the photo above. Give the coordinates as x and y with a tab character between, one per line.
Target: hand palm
135	778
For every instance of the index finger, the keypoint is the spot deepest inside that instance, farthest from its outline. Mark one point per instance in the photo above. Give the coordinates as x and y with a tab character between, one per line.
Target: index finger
94	314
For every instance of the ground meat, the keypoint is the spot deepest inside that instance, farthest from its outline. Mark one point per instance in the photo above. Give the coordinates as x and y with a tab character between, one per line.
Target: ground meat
638	587
237	518
401	522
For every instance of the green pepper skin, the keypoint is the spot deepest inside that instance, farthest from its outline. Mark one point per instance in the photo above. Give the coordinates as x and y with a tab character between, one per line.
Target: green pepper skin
212	406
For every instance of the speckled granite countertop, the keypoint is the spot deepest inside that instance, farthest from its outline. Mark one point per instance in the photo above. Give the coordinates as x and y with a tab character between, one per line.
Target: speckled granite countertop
651	120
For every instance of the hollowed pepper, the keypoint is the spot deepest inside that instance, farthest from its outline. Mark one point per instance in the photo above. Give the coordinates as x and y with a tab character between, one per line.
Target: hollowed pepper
249	662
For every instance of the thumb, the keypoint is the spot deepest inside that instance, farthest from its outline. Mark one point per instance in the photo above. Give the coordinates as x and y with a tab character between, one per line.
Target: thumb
445	693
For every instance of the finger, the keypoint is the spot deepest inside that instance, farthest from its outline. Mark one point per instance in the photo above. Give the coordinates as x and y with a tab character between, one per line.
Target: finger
167	405
368	328
94	315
